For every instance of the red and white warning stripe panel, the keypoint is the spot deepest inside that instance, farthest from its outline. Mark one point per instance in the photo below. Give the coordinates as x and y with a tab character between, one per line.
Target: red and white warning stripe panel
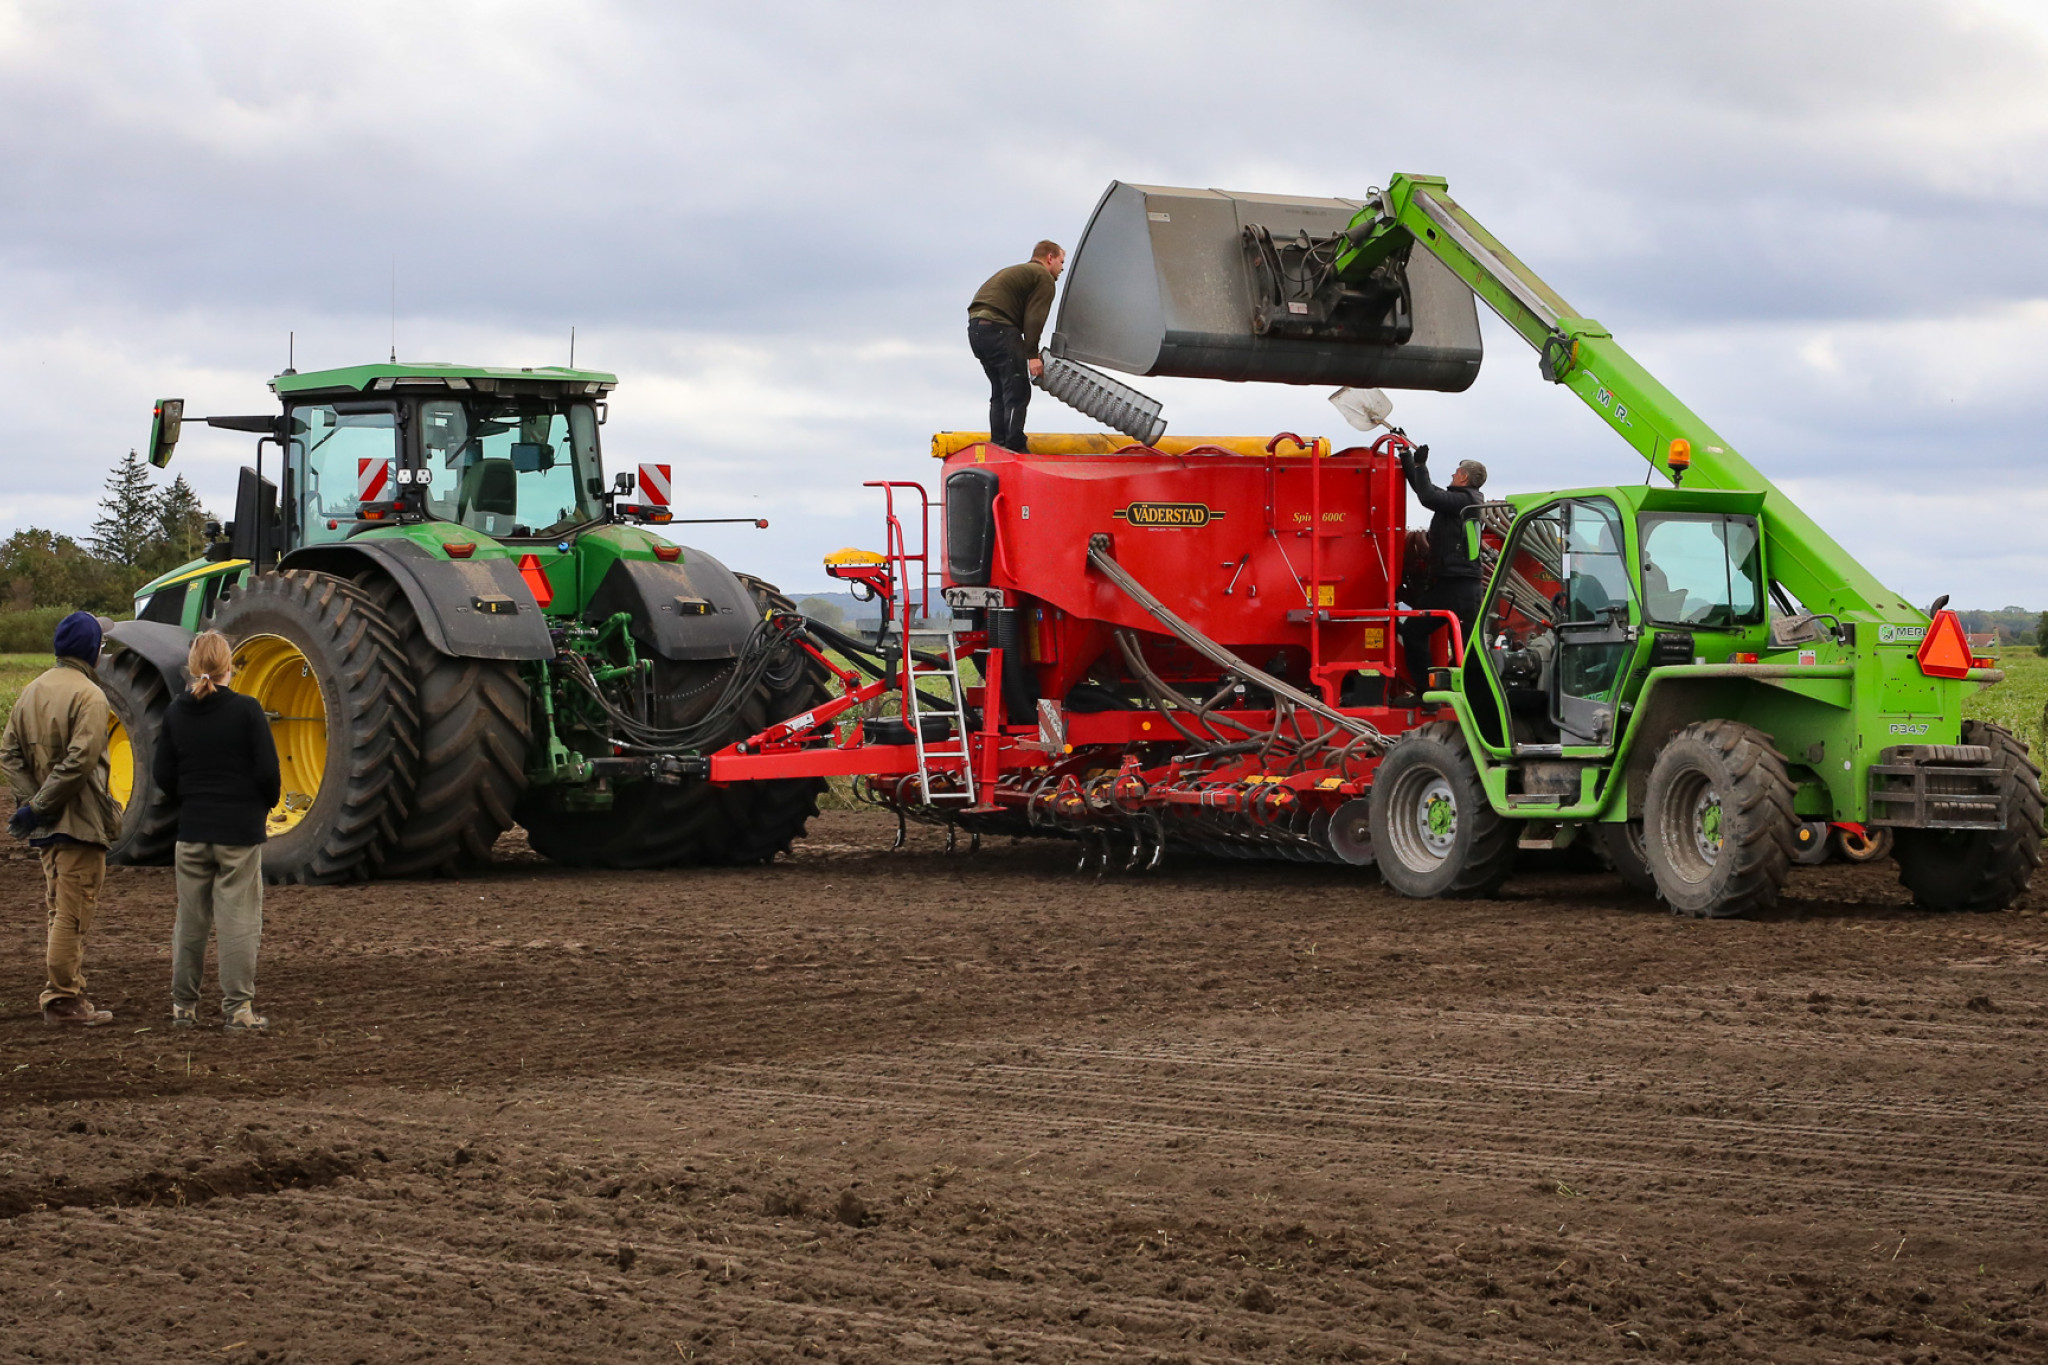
654	485
373	479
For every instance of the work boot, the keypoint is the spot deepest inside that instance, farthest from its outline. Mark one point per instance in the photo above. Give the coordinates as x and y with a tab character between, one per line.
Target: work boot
245	1019
75	1010
184	1016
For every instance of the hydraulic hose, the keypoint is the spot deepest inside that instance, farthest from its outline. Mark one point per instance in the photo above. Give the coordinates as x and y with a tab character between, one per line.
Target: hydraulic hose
1105	564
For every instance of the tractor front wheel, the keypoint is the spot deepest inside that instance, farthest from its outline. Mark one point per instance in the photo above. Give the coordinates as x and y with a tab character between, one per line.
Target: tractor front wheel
1979	870
138	697
322	659
1717	821
1622	842
1433	830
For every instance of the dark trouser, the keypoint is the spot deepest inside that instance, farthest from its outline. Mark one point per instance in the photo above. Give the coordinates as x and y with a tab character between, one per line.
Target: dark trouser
1000	349
1459	595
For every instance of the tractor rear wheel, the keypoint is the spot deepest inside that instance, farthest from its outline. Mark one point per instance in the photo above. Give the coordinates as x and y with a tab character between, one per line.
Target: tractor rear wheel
325	663
1717	821
692	823
474	733
1433	830
138	696
1979	870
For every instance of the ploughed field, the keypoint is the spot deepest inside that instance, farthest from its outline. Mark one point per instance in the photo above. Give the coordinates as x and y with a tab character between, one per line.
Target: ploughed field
910	1107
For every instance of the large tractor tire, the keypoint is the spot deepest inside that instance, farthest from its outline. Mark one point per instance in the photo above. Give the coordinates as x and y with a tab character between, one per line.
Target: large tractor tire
692	823
326	664
139	697
474	734
1717	821
1433	830
1979	870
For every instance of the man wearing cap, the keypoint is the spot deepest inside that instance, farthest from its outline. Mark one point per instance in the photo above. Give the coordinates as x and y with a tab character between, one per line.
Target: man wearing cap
55	755
1003	326
1454	575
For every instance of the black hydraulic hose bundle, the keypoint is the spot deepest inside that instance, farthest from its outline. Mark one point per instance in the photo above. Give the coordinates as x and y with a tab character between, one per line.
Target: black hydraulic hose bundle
770	636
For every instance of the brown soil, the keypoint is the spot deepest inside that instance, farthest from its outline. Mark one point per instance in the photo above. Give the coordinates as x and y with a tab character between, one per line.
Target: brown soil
909	1107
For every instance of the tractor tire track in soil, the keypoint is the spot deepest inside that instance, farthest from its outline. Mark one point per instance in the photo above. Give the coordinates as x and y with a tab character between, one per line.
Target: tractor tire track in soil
886	1107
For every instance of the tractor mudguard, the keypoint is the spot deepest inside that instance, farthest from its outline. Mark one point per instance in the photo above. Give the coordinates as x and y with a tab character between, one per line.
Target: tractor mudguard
693	609
445	594
165	646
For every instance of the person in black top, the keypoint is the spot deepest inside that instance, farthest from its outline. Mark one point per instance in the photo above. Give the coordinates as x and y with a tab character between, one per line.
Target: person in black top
215	760
1454	582
1003	326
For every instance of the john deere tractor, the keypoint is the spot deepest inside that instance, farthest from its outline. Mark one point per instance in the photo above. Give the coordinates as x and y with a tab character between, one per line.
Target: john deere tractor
455	624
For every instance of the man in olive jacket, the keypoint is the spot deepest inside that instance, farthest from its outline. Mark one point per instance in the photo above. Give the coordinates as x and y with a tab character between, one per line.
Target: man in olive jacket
1003	326
55	755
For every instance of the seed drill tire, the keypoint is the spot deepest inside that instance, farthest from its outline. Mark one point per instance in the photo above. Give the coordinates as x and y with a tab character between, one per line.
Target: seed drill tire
1427	766
1979	870
653	824
1732	766
372	727
474	733
139	697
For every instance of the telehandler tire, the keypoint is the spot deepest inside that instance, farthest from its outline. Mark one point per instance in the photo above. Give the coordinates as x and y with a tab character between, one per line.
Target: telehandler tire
324	661
692	823
1717	821
1979	870
1433	830
139	697
474	733
1622	842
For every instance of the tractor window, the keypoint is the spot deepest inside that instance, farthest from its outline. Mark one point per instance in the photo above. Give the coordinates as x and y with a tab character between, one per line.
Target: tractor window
340	460
511	467
1701	569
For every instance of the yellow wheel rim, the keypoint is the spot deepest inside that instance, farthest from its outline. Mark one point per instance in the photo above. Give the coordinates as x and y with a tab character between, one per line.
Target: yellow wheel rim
120	761
271	669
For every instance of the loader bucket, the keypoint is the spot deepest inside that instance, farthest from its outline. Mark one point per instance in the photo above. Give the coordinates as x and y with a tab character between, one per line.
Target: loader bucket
1162	283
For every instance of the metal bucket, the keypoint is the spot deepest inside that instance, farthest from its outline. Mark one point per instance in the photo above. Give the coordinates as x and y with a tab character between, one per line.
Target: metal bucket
1163	282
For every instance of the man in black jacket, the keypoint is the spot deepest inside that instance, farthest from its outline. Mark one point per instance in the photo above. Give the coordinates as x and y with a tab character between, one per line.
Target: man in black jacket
216	761
1454	575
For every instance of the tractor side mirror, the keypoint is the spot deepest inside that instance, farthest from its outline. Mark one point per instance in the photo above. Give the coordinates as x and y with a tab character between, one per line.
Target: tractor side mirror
165	424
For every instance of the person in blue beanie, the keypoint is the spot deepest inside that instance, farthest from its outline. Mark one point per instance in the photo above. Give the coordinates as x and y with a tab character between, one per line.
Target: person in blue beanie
54	752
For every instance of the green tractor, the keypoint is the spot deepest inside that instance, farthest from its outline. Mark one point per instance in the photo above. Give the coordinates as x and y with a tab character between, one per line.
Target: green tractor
455	625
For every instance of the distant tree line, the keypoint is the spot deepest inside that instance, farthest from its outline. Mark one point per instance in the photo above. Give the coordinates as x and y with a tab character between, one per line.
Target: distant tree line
141	531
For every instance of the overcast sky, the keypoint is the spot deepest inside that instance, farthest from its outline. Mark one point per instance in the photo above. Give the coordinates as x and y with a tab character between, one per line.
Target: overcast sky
1824	225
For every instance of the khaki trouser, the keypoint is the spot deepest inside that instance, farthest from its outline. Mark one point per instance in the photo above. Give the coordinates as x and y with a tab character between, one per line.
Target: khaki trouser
220	893
72	874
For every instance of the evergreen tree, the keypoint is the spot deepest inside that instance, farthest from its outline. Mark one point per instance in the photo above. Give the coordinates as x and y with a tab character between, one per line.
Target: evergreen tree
128	525
2041	638
180	527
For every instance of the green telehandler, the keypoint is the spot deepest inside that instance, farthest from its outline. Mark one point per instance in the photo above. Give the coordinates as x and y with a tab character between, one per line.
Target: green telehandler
455	624
1697	676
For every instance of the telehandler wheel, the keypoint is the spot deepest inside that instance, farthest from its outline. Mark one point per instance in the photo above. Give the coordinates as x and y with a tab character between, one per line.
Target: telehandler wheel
323	660
138	697
1622	842
1867	847
652	824
1979	870
1717	821
1435	832
474	734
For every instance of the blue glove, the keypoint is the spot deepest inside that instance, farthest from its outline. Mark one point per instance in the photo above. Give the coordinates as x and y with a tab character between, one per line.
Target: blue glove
24	821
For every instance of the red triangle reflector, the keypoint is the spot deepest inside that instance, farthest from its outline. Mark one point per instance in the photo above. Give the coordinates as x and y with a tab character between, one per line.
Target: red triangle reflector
537	579
1945	653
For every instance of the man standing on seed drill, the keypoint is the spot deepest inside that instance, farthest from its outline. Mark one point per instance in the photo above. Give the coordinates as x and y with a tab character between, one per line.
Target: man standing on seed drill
55	755
1003	326
1454	582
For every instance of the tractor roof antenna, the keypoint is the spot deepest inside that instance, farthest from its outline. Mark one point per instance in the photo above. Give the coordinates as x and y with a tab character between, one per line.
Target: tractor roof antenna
572	348
394	309
291	352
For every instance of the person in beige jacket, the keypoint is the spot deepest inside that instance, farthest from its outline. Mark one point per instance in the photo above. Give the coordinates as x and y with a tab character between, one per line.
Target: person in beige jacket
54	752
